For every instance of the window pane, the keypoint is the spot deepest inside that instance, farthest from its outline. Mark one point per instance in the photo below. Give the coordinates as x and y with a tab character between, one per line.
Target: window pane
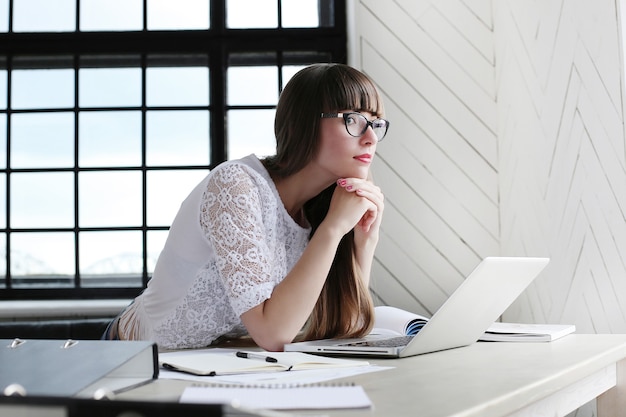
252	85
42	259
42	199
4	15
109	87
109	138
111	15
3	141
3	259
3	88
44	16
109	259
188	86
251	131
42	89
180	14
110	198
177	138
289	71
300	13
166	191
3	207
42	140
241	14
156	242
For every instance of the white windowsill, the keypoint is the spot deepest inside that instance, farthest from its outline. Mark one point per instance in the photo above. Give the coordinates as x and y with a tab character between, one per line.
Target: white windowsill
54	309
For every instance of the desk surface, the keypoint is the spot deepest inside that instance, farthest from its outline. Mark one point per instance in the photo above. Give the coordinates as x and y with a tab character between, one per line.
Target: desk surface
484	379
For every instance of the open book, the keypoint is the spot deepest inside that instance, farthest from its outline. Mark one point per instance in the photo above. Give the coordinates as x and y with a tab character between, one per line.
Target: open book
395	321
209	362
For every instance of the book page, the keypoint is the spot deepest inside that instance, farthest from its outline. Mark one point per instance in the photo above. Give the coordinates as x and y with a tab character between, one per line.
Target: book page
395	321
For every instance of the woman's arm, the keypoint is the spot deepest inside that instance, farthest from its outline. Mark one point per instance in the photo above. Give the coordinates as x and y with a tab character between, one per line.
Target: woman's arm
278	319
366	233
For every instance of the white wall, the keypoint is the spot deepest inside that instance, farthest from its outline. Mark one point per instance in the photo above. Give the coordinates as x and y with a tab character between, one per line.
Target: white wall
434	63
562	158
507	138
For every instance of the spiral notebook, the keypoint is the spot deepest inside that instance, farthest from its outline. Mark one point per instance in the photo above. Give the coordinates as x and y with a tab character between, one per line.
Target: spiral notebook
474	306
280	397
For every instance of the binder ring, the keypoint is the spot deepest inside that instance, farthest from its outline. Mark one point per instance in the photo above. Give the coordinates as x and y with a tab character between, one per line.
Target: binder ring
69	343
15	343
15	390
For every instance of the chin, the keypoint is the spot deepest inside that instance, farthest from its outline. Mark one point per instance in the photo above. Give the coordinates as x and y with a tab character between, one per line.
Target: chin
363	173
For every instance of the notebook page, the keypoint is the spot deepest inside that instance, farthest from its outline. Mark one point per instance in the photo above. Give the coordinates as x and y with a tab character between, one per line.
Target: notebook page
279	398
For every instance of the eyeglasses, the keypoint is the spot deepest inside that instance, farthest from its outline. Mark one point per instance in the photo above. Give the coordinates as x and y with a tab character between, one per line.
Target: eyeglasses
357	124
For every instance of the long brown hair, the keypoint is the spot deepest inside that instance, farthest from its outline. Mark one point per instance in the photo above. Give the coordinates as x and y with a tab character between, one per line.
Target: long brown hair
344	307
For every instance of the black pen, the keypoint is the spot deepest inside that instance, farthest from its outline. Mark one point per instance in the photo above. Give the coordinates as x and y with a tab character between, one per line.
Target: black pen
248	355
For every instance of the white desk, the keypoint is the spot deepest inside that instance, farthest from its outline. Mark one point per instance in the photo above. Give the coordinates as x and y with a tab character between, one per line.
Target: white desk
486	380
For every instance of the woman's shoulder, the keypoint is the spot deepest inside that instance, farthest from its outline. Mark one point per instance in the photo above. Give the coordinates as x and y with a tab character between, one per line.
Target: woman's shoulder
250	165
244	170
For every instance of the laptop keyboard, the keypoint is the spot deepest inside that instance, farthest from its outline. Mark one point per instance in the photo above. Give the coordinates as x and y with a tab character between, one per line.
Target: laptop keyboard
389	342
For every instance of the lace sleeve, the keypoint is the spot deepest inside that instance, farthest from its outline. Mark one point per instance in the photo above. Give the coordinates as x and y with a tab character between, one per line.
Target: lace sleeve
232	221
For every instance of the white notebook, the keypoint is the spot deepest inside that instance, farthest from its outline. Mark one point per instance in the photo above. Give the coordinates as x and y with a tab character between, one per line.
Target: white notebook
210	362
280	397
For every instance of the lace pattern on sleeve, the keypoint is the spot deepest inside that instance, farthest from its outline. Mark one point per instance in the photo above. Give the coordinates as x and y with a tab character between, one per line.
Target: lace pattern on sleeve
238	224
203	315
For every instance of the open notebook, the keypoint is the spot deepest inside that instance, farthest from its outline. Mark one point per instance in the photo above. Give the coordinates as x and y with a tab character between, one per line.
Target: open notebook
474	306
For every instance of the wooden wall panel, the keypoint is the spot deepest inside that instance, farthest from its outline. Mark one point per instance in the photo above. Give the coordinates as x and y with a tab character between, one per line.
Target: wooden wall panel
507	138
434	64
569	89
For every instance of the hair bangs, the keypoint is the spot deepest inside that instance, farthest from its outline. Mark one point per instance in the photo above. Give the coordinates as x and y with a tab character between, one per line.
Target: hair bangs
353	91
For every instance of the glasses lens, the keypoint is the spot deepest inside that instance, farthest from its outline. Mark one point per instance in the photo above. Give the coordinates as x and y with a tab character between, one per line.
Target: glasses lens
356	124
379	126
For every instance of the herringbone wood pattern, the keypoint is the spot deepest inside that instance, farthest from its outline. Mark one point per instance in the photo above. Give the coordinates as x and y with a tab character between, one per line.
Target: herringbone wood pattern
507	138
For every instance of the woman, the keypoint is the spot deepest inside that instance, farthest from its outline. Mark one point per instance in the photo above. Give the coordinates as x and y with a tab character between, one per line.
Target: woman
277	247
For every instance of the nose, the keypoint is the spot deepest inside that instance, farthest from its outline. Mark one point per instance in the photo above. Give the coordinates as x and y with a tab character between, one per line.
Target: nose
369	137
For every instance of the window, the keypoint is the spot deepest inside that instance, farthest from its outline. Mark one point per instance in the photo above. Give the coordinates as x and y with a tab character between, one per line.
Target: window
112	110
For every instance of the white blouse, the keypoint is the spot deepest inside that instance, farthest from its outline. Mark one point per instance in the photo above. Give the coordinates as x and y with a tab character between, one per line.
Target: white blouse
231	242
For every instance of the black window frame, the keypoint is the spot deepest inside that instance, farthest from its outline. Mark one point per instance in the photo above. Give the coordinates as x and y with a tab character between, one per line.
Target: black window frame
252	46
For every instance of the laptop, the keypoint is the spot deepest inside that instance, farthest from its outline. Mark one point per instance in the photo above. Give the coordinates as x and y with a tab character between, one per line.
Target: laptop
462	319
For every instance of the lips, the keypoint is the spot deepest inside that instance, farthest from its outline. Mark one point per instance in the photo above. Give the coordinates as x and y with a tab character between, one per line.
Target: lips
366	158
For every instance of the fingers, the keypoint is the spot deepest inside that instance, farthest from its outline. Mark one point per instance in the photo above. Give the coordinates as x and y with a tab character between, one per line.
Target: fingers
369	191
363	188
367	220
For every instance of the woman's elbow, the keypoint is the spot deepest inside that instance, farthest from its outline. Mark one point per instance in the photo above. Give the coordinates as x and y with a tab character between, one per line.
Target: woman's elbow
272	342
268	334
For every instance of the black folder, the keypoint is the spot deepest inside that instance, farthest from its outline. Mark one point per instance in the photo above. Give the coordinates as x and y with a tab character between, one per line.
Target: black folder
82	368
86	407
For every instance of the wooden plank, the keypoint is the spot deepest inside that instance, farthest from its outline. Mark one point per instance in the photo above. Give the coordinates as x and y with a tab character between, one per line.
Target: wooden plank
431	72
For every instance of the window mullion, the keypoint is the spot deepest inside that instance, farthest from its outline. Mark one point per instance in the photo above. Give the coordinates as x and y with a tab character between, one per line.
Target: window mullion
77	280
114	51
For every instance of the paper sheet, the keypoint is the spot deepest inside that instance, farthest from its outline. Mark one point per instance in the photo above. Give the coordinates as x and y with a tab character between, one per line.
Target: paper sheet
290	398
312	376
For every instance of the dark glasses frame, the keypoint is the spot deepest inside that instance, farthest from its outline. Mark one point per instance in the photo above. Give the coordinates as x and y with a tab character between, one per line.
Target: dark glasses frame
375	124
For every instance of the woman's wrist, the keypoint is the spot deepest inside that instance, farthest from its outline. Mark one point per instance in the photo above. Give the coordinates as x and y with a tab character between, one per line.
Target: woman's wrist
329	233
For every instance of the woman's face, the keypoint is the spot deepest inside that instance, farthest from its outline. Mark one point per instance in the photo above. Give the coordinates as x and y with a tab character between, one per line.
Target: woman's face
342	155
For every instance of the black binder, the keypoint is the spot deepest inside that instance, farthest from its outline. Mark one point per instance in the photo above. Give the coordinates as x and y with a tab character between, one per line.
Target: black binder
85	407
82	368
